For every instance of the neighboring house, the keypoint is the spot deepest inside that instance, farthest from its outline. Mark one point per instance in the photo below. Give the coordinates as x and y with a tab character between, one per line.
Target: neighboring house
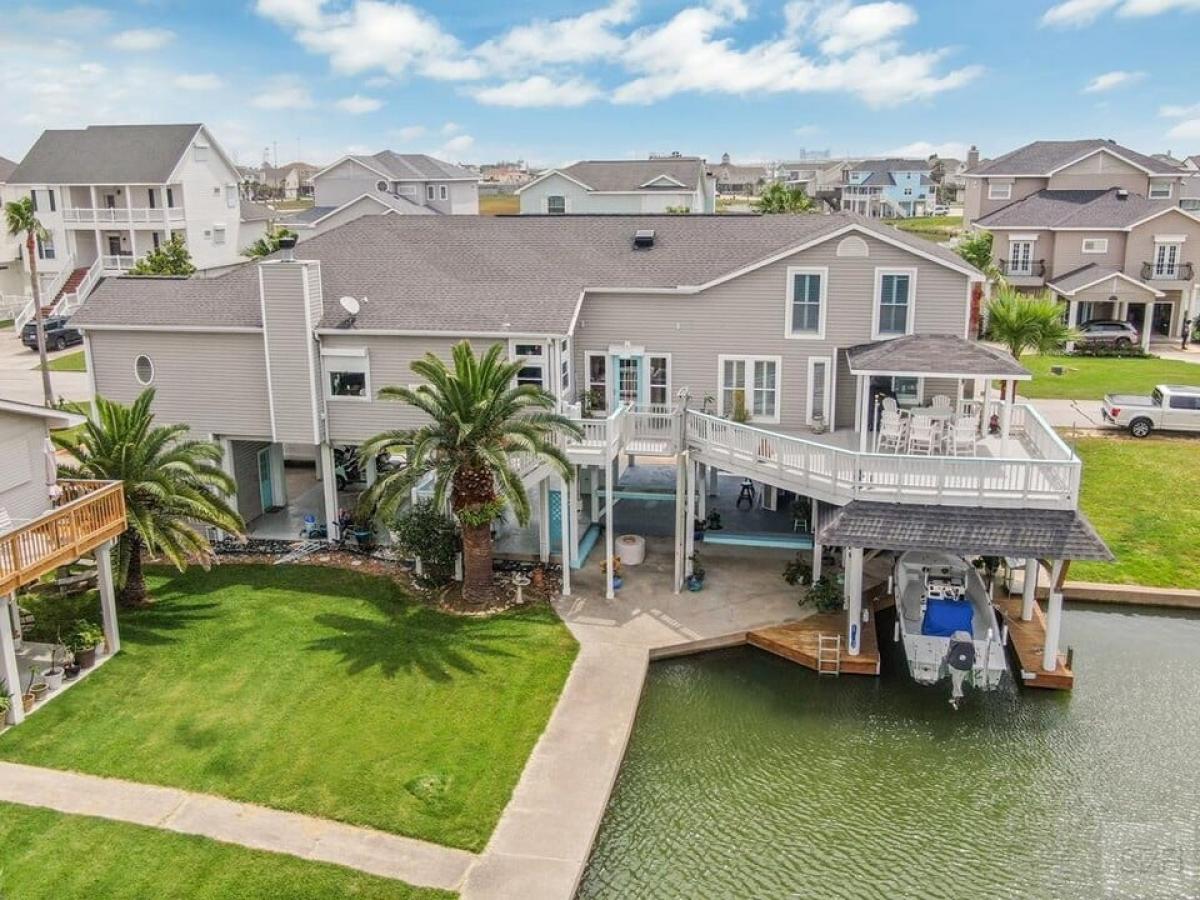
108	194
387	183
949	176
44	525
257	219
1103	229
733	180
292	181
1189	191
889	188
622	186
13	283
507	174
803	321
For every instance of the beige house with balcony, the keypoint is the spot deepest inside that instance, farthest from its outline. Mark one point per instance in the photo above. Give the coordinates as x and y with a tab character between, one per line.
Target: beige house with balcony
1099	225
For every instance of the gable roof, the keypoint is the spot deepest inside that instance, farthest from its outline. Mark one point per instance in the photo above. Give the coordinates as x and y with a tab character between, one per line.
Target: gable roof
1046	157
1071	283
55	418
636	174
934	354
105	154
486	274
415	166
6	169
892	165
1076	209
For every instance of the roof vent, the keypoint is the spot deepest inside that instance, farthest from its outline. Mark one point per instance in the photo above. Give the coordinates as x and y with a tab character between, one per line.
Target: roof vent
287	244
643	239
1122	194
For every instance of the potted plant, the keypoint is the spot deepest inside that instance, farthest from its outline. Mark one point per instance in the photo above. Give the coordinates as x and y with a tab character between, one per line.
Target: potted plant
698	526
713	523
592	404
362	526
5	701
695	581
740	414
818	423
83	642
37	687
54	675
708	405
798	571
615	562
537	577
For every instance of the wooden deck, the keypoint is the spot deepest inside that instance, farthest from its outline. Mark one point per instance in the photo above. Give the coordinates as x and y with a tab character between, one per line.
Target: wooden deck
1028	639
798	642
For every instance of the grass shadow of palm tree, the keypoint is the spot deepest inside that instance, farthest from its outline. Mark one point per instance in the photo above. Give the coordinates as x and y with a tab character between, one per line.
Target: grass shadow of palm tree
160	623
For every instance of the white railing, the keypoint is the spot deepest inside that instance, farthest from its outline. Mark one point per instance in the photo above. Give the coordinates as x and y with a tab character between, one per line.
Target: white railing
122	262
838	474
49	294
80	215
602	437
73	300
657	427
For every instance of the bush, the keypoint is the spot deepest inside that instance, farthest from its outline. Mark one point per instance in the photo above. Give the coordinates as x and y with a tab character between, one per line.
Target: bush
1094	350
798	571
825	595
54	617
424	532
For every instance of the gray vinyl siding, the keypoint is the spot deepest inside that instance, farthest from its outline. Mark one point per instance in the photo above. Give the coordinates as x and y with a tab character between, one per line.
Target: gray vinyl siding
23	492
1069	255
291	307
1140	247
533	199
747	316
344	182
350	420
216	383
245	473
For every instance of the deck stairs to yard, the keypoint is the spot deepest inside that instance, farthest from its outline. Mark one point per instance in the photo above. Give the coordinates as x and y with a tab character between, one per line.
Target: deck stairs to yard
829	654
70	287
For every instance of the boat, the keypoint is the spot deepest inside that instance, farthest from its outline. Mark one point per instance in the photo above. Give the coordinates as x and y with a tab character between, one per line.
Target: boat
938	595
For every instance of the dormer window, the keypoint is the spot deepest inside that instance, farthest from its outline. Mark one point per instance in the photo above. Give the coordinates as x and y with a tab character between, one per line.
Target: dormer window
999	191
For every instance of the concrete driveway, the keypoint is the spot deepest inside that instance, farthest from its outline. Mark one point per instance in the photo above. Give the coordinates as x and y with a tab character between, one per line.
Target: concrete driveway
20	379
1069	413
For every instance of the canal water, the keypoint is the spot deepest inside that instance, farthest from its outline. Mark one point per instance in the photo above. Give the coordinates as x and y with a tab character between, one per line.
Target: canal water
748	776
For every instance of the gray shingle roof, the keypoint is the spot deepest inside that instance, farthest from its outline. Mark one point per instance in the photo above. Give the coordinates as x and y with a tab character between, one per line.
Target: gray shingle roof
967	531
631	174
402	205
305	216
1069	282
105	154
414	166
256	212
929	354
474	274
1075	209
892	165
1043	157
6	168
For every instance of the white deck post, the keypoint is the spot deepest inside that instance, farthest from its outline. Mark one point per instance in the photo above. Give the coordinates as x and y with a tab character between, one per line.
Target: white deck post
689	529
544	520
713	486
1147	325
108	597
1054	609
862	418
9	673
853	587
681	462
985	411
609	537
702	494
329	489
817	548
567	515
594	487
1029	589
573	532
1010	387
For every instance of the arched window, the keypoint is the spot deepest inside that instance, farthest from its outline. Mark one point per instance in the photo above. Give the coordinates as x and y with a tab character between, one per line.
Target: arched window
853	246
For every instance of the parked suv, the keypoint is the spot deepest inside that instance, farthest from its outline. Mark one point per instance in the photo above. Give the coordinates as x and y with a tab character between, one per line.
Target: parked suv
1108	333
59	334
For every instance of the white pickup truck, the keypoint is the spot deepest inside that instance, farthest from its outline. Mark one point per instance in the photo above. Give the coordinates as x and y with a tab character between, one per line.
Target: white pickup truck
1169	407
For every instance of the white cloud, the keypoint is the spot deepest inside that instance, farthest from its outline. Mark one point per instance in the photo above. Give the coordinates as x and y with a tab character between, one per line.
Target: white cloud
201	81
843	26
357	104
451	128
1078	13
138	39
926	149
1179	112
410	132
459	144
283	92
378	81
1186	130
1110	80
578	39
538	90
294	13
1134	8
74	18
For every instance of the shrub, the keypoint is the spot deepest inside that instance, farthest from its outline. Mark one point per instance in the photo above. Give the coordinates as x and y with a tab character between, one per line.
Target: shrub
825	594
798	571
1133	352
425	532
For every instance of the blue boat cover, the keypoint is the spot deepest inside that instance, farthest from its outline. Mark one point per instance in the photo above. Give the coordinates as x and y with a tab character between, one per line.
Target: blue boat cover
944	617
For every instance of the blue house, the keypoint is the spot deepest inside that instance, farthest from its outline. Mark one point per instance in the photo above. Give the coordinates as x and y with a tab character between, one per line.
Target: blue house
889	188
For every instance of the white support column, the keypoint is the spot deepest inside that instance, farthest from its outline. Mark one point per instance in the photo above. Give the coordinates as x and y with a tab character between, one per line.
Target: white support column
329	485
714	487
573	517
543	489
985	413
1010	387
818	550
129	210
681	462
690	525
702	498
1054	610
1072	319
862	417
854	583
1147	325
108	597
567	520
1029	589
9	673
594	485
609	536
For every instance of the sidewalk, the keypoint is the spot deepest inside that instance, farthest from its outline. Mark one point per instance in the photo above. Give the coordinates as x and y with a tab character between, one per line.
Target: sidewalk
1069	413
20	379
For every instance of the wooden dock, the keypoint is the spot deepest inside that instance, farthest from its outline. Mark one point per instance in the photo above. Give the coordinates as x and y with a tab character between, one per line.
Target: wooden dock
1028	639
799	642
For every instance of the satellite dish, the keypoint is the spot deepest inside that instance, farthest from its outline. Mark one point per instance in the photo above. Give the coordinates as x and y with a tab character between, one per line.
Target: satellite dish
350	305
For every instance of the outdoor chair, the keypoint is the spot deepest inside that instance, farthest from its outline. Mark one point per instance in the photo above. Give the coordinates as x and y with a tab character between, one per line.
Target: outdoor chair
941	402
890	405
923	435
891	434
960	437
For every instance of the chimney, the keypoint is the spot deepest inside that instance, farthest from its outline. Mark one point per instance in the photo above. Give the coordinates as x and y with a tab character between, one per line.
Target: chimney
287	244
972	157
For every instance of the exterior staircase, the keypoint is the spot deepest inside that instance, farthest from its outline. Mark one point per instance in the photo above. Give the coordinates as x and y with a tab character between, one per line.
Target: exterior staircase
69	287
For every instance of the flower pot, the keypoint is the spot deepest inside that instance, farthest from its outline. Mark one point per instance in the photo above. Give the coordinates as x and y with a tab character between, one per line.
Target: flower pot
695	584
71	672
538	578
39	691
364	536
54	678
27	702
85	659
617	582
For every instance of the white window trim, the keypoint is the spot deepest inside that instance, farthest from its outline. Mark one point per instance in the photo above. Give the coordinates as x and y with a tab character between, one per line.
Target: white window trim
1169	185
649	384
1170	238
430	192
792	272
1101	242
910	319
586	383
828	399
137	377
994	187
750	360
566	204
443	192
360	353
532	362
1022	238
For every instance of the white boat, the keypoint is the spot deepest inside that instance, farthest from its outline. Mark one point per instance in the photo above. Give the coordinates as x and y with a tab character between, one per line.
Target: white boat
937	595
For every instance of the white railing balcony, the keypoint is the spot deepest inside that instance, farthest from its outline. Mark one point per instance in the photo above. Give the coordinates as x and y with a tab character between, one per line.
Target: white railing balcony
602	439
120	263
120	215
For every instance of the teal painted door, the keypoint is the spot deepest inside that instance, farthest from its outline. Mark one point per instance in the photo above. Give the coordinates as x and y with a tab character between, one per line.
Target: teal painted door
556	513
266	490
630	382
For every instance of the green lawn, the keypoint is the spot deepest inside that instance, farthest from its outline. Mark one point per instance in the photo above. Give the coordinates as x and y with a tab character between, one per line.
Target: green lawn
932	228
1091	377
499	205
1142	498
315	690
70	362
47	855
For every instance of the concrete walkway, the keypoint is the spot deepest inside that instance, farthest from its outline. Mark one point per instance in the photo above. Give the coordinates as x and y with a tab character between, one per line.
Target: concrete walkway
386	855
20	379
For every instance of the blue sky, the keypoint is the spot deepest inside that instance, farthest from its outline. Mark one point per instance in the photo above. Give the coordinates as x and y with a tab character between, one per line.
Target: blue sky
552	82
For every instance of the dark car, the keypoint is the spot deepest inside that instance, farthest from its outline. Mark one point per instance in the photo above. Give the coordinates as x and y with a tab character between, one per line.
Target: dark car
1108	333
59	334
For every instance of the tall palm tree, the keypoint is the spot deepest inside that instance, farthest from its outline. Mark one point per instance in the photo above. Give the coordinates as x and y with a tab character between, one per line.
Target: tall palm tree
21	219
481	421
171	485
1024	322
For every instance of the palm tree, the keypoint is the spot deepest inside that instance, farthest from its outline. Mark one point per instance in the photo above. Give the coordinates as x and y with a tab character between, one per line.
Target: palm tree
1023	322
269	243
21	219
481	422
171	485
777	197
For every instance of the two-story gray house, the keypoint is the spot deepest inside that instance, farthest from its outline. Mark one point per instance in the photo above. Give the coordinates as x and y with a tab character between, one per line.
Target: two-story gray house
1096	223
761	347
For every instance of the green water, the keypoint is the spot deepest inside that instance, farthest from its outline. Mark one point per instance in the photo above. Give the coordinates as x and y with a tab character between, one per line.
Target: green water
748	776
